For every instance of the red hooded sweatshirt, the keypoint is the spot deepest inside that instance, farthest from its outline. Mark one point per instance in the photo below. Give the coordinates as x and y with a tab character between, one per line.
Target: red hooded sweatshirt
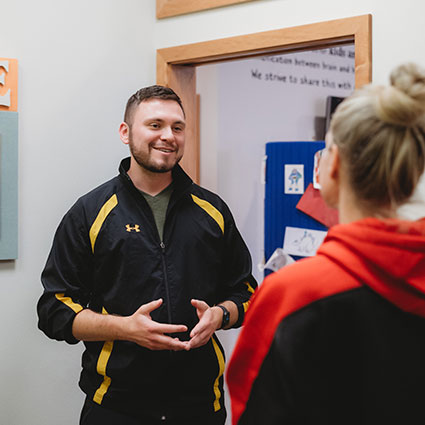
386	256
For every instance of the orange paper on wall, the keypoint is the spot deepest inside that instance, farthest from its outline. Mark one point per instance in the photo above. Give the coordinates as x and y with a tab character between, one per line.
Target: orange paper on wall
9	83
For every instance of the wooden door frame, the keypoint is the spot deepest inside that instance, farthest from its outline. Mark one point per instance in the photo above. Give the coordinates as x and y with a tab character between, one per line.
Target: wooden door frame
176	66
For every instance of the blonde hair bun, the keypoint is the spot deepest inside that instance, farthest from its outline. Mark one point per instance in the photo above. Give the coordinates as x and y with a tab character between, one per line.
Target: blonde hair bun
403	103
380	133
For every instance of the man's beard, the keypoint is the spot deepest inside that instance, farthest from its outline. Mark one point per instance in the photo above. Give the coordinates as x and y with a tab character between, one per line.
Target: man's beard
145	162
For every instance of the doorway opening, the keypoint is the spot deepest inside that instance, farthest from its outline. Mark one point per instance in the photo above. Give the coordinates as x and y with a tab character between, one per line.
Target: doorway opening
176	66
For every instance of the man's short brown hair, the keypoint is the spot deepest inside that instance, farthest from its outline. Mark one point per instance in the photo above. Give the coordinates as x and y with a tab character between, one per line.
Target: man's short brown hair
146	93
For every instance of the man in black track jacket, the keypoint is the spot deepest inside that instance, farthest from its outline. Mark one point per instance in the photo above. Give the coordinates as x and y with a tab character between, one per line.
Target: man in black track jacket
144	269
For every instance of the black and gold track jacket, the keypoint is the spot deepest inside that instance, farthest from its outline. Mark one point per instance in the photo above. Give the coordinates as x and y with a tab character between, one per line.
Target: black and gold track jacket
107	256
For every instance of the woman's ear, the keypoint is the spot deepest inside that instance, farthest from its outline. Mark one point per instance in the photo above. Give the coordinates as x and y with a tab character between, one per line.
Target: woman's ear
334	162
331	176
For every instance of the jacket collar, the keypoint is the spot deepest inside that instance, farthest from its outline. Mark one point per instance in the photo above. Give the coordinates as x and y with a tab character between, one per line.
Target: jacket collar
181	181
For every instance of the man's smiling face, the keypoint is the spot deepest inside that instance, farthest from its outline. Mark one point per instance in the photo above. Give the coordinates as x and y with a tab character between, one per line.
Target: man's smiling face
156	135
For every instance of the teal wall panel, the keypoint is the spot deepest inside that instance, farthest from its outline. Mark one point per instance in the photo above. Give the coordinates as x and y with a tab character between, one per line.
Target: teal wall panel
8	185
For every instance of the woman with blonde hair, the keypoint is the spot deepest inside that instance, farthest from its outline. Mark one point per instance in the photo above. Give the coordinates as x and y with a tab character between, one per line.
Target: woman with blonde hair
339	338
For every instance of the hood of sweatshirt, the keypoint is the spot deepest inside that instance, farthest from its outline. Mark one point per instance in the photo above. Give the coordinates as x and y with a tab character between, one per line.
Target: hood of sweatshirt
386	255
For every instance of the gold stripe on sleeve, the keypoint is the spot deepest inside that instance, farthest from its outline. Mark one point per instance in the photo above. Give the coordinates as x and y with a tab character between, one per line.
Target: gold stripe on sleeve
101	368
221	365
211	210
250	288
109	205
246	305
68	301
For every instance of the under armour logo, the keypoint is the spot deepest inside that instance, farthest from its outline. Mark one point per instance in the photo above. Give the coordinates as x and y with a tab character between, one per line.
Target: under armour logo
135	228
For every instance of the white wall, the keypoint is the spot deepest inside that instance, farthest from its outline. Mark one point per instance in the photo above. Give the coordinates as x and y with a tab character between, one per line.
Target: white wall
79	62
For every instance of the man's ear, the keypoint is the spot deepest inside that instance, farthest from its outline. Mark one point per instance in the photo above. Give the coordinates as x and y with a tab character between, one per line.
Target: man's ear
124	131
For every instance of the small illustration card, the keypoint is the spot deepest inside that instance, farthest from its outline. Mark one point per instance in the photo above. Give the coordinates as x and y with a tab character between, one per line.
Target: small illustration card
277	260
294	179
302	242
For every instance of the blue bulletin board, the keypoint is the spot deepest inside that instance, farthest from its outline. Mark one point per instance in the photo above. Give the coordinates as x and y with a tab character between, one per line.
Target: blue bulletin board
287	161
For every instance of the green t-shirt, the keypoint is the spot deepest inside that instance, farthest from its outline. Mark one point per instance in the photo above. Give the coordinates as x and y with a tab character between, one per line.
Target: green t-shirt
159	205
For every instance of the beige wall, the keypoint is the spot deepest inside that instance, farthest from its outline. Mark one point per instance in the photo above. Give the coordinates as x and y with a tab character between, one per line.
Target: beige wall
79	61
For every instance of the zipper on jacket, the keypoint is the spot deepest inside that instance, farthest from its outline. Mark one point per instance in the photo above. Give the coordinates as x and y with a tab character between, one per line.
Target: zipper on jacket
147	210
167	292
